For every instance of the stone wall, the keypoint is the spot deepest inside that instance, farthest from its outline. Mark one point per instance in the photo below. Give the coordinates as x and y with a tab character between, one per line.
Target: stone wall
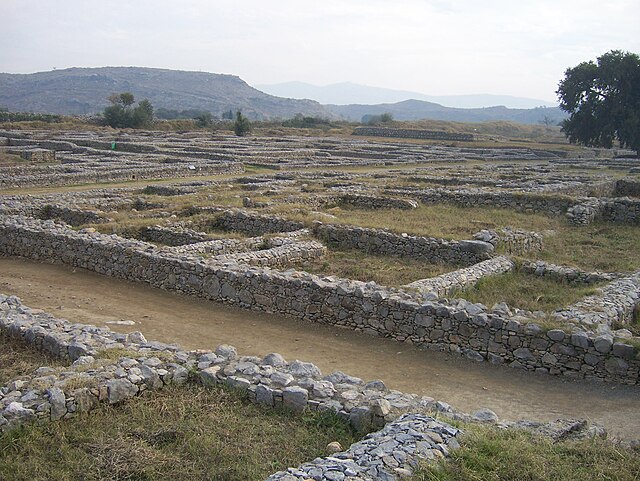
446	284
456	326
377	241
571	275
70	215
511	241
410	433
253	224
172	236
411	134
53	394
622	210
526	202
283	256
375	202
627	187
615	303
39	155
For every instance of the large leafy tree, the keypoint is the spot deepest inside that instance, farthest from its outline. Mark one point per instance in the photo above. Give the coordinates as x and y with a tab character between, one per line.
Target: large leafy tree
603	100
121	114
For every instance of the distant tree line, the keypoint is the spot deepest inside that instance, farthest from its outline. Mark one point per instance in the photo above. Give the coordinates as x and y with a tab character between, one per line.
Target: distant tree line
122	114
384	118
304	122
6	116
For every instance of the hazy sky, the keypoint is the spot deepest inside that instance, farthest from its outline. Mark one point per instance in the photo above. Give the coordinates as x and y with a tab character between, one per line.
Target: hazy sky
437	47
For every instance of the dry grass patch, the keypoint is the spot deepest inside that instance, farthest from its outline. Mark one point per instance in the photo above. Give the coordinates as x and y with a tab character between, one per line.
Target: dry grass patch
19	359
384	270
600	246
443	220
179	433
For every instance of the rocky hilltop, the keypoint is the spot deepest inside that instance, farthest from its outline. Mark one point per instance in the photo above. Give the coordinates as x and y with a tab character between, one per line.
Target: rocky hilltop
78	91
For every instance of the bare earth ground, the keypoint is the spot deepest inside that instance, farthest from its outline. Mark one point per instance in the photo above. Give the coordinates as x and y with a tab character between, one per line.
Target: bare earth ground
86	297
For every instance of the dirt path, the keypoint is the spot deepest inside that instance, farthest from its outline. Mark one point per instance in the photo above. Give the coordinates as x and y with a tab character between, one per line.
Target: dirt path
87	297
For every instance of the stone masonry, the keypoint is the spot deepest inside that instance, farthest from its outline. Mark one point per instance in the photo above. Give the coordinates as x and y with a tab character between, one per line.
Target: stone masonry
456	326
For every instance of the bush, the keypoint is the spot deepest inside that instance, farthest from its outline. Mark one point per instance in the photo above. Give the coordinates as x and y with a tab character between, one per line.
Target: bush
242	126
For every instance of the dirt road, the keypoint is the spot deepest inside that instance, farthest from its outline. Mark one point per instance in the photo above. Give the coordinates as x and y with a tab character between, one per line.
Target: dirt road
83	296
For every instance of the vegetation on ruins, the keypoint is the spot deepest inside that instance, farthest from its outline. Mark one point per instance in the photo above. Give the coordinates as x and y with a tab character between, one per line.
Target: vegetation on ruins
241	126
525	291
603	99
121	114
494	454
17	359
188	433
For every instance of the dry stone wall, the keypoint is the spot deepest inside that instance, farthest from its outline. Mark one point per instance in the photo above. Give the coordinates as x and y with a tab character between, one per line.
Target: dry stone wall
411	134
571	275
410	433
282	256
456	326
70	215
375	202
447	284
627	187
172	236
511	241
616	302
253	224
39	155
548	204
377	241
53	394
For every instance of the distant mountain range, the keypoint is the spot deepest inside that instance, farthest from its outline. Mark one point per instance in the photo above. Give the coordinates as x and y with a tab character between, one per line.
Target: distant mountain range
350	93
79	91
419	109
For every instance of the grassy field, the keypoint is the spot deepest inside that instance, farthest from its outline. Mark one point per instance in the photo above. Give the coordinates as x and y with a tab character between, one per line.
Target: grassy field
17	359
489	454
443	220
601	246
385	270
525	291
185	433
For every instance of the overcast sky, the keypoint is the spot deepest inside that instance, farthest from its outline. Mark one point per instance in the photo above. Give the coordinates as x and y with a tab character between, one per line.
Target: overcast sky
437	47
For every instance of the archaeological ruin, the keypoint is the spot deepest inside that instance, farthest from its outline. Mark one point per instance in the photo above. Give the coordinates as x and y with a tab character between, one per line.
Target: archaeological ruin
402	242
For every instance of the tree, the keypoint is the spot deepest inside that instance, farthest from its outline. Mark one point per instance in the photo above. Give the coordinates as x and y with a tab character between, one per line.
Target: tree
603	100
143	114
120	114
203	120
241	126
384	118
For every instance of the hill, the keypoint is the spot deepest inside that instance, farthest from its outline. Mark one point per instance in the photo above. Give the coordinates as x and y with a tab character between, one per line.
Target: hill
350	93
419	109
78	91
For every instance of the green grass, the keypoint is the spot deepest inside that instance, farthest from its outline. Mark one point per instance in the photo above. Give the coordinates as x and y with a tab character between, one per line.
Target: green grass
179	433
18	359
525	291
385	270
600	246
489	454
